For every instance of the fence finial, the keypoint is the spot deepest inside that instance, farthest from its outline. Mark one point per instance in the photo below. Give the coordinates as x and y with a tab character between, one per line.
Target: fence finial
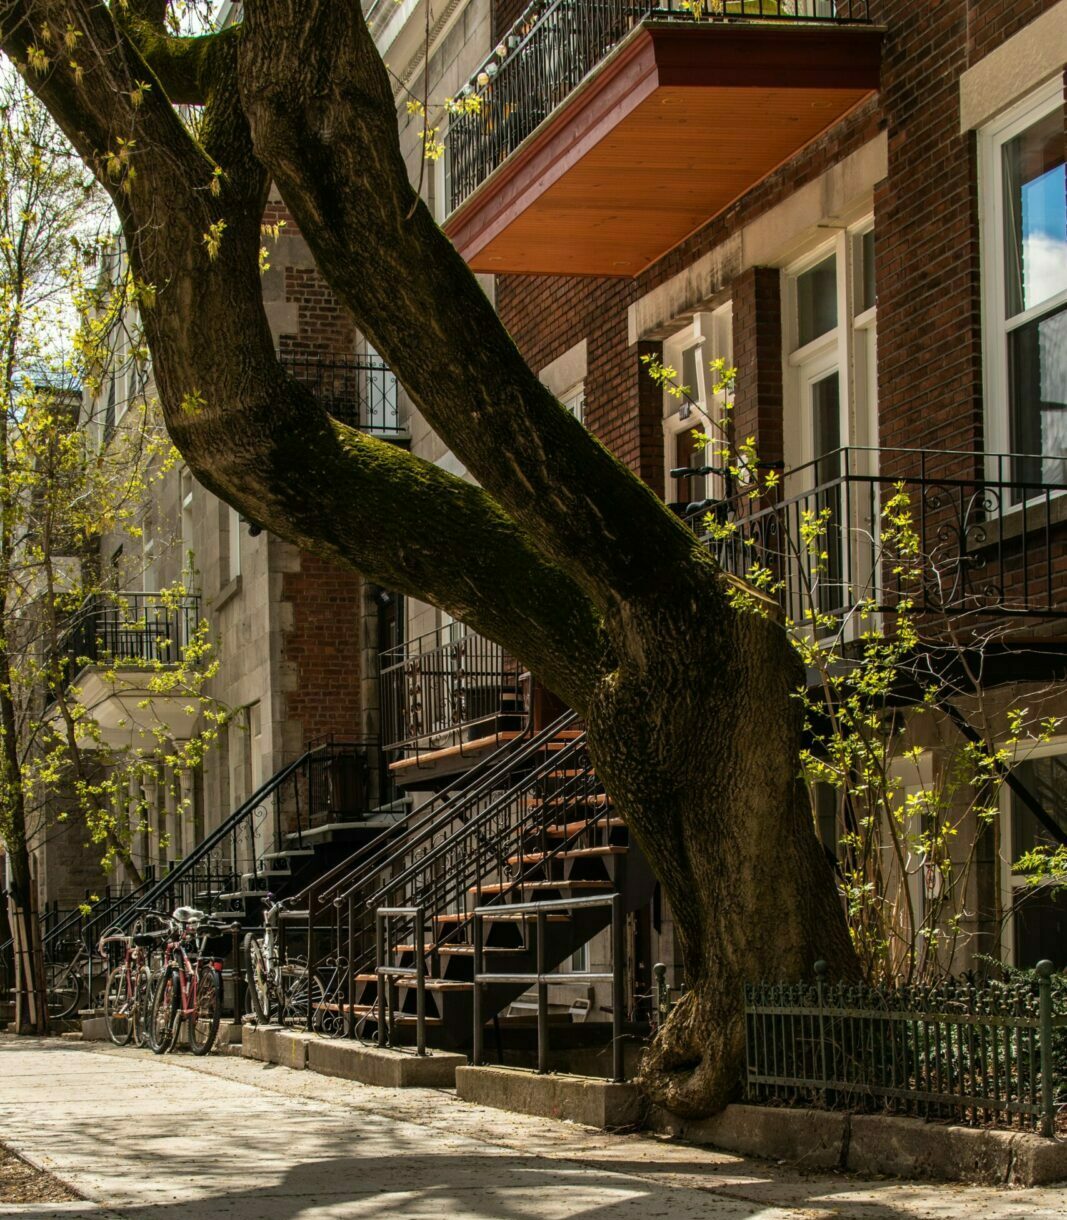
821	967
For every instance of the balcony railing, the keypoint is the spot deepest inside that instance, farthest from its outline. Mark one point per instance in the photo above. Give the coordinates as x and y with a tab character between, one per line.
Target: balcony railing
442	688
991	534
553	47
138	630
360	391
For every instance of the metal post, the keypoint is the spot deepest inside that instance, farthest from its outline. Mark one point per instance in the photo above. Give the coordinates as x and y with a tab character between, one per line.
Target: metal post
1044	990
479	966
618	997
349	970
380	958
312	963
663	1003
542	995
420	982
820	975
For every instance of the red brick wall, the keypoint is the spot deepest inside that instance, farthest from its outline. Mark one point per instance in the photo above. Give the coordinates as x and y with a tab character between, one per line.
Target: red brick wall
324	326
929	339
323	647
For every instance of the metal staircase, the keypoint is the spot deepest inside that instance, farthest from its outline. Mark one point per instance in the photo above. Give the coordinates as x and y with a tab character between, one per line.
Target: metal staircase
533	823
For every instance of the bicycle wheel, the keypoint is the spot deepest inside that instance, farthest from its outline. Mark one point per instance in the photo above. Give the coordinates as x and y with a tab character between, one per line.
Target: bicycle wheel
295	1000
119	1006
64	990
260	991
203	1025
142	1007
163	1021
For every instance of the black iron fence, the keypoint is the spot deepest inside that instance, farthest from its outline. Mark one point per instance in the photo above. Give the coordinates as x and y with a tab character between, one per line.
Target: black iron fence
990	533
358	391
988	1053
451	681
135	629
553	47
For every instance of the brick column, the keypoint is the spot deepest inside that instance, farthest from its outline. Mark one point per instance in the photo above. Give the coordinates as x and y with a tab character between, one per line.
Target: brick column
757	326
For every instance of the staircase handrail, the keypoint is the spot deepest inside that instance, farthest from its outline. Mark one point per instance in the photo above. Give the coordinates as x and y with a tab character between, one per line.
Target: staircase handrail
85	917
472	827
445	890
226	828
438	810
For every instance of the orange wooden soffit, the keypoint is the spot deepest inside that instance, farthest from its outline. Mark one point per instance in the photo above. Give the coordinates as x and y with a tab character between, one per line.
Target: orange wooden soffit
674	125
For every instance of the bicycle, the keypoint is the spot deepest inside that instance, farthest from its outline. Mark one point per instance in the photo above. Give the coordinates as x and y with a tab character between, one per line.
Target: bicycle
278	989
190	985
63	983
128	990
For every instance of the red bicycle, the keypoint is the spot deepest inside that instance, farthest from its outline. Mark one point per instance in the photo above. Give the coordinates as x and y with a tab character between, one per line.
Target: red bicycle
190	984
128	992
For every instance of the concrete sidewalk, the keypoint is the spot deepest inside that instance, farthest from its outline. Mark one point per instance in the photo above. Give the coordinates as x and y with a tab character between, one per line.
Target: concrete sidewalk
144	1138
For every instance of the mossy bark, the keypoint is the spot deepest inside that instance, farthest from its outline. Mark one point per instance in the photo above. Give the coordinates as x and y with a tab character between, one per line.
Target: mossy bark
561	554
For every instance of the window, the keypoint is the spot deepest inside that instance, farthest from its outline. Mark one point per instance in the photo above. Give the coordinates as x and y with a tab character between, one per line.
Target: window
709	337
149	560
1025	282
188	549
235	543
1038	913
830	412
229	544
574	400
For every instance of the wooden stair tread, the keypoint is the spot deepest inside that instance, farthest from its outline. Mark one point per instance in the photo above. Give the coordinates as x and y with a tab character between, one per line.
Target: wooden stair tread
589	798
431	756
503	887
567	829
576	853
503	915
453	950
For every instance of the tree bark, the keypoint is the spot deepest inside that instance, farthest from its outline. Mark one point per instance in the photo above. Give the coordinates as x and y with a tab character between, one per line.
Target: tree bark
561	555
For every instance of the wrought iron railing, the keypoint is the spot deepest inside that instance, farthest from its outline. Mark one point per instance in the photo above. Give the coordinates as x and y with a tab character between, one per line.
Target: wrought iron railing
553	47
72	934
358	391
327	783
991	535
450	682
133	629
987	1053
488	845
444	850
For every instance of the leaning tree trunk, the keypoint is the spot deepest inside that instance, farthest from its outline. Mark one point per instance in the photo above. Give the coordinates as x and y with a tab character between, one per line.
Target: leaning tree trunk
561	555
699	747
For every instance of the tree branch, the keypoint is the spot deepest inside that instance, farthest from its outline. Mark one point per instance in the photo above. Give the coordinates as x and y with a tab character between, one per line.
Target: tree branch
250	433
323	121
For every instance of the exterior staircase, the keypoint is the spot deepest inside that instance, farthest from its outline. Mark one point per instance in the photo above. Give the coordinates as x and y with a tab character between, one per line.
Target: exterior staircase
531	824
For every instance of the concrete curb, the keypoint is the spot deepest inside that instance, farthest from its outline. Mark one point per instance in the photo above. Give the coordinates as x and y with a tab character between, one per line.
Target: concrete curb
384	1067
876	1144
578	1099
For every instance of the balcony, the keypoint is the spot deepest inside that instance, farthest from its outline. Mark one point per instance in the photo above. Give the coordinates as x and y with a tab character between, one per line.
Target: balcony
359	391
991	531
604	132
108	654
446	696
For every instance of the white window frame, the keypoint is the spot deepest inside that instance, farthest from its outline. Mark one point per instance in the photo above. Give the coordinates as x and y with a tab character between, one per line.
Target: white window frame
187	485
996	327
573	398
712	333
234	524
850	349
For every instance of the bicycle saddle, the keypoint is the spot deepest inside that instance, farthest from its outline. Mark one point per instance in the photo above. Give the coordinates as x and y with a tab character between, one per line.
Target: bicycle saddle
189	915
